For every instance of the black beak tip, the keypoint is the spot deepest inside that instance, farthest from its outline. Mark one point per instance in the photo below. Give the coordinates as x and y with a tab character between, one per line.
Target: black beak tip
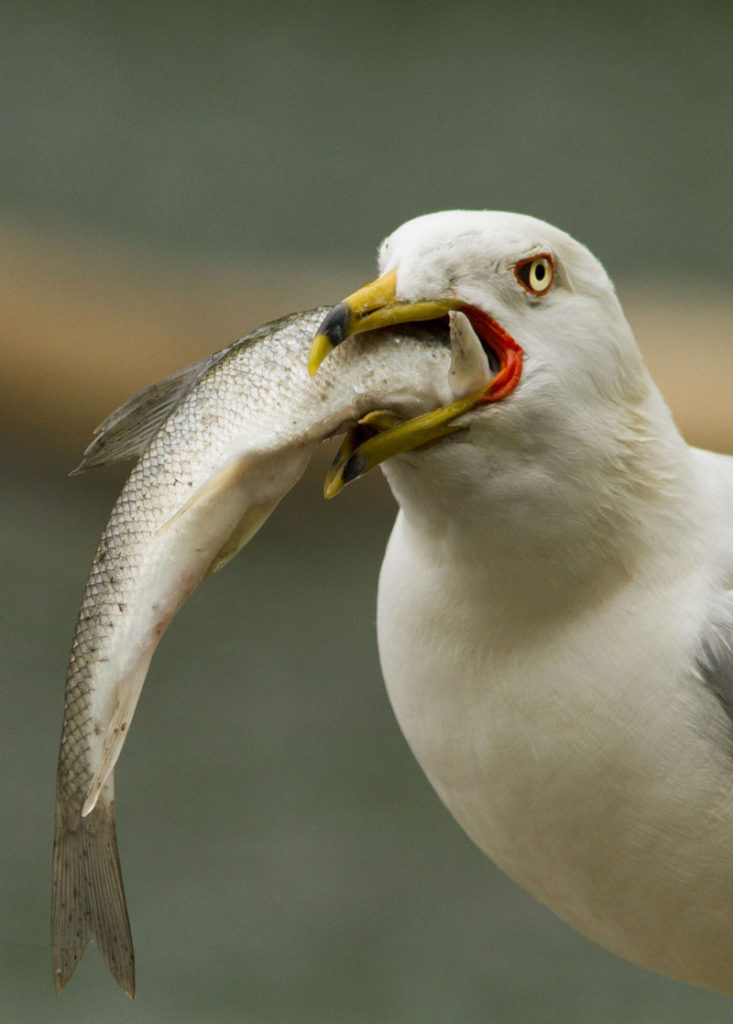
336	324
356	465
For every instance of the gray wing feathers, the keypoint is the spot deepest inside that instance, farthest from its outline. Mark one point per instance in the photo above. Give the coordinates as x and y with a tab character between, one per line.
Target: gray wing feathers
715	660
88	900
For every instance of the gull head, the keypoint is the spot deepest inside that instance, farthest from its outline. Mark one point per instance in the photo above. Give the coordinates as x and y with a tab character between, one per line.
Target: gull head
566	378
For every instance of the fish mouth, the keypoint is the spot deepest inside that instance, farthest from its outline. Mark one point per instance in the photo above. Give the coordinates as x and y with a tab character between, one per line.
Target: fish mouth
380	435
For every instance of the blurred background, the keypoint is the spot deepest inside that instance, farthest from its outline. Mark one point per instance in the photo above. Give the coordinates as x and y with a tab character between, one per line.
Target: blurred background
172	175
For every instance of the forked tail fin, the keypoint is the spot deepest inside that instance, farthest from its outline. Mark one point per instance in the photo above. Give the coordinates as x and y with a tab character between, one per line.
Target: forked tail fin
88	900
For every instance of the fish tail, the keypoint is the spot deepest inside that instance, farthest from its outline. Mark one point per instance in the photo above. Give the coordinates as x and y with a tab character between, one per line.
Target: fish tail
88	900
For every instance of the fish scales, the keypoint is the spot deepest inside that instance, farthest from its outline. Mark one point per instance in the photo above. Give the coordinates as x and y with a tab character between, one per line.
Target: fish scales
222	445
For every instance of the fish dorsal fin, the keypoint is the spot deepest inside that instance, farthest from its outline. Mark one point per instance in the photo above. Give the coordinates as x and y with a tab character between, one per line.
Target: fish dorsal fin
126	432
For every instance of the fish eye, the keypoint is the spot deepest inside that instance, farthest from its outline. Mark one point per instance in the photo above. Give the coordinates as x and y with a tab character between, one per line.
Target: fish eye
536	274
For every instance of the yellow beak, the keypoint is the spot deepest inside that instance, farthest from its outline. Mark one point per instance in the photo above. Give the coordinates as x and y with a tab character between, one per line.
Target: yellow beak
370	442
381	434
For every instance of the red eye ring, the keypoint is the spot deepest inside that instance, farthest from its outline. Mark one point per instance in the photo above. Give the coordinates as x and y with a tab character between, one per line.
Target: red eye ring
536	273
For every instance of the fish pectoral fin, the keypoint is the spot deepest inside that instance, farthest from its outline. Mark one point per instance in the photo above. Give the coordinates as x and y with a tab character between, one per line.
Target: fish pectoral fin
255	516
263	476
216	487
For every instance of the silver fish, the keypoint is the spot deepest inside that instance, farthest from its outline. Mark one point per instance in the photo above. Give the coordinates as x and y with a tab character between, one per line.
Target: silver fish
220	443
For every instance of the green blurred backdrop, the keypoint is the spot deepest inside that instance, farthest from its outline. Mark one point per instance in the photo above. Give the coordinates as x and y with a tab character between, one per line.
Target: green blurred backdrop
171	176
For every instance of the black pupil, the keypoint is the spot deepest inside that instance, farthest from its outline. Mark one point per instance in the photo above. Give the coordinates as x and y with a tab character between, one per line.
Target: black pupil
539	271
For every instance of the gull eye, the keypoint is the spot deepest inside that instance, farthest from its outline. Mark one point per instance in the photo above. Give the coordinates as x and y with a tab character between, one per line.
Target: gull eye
536	274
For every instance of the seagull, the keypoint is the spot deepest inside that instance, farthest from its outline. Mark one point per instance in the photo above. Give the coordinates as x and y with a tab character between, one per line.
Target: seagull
555	609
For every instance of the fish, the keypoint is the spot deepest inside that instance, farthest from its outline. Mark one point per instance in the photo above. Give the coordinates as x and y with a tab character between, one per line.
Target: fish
218	445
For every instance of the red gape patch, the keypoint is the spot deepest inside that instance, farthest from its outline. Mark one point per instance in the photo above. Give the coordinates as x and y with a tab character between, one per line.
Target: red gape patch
506	348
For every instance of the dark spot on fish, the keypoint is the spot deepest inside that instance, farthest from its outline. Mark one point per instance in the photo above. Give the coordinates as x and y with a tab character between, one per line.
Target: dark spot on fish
121	607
